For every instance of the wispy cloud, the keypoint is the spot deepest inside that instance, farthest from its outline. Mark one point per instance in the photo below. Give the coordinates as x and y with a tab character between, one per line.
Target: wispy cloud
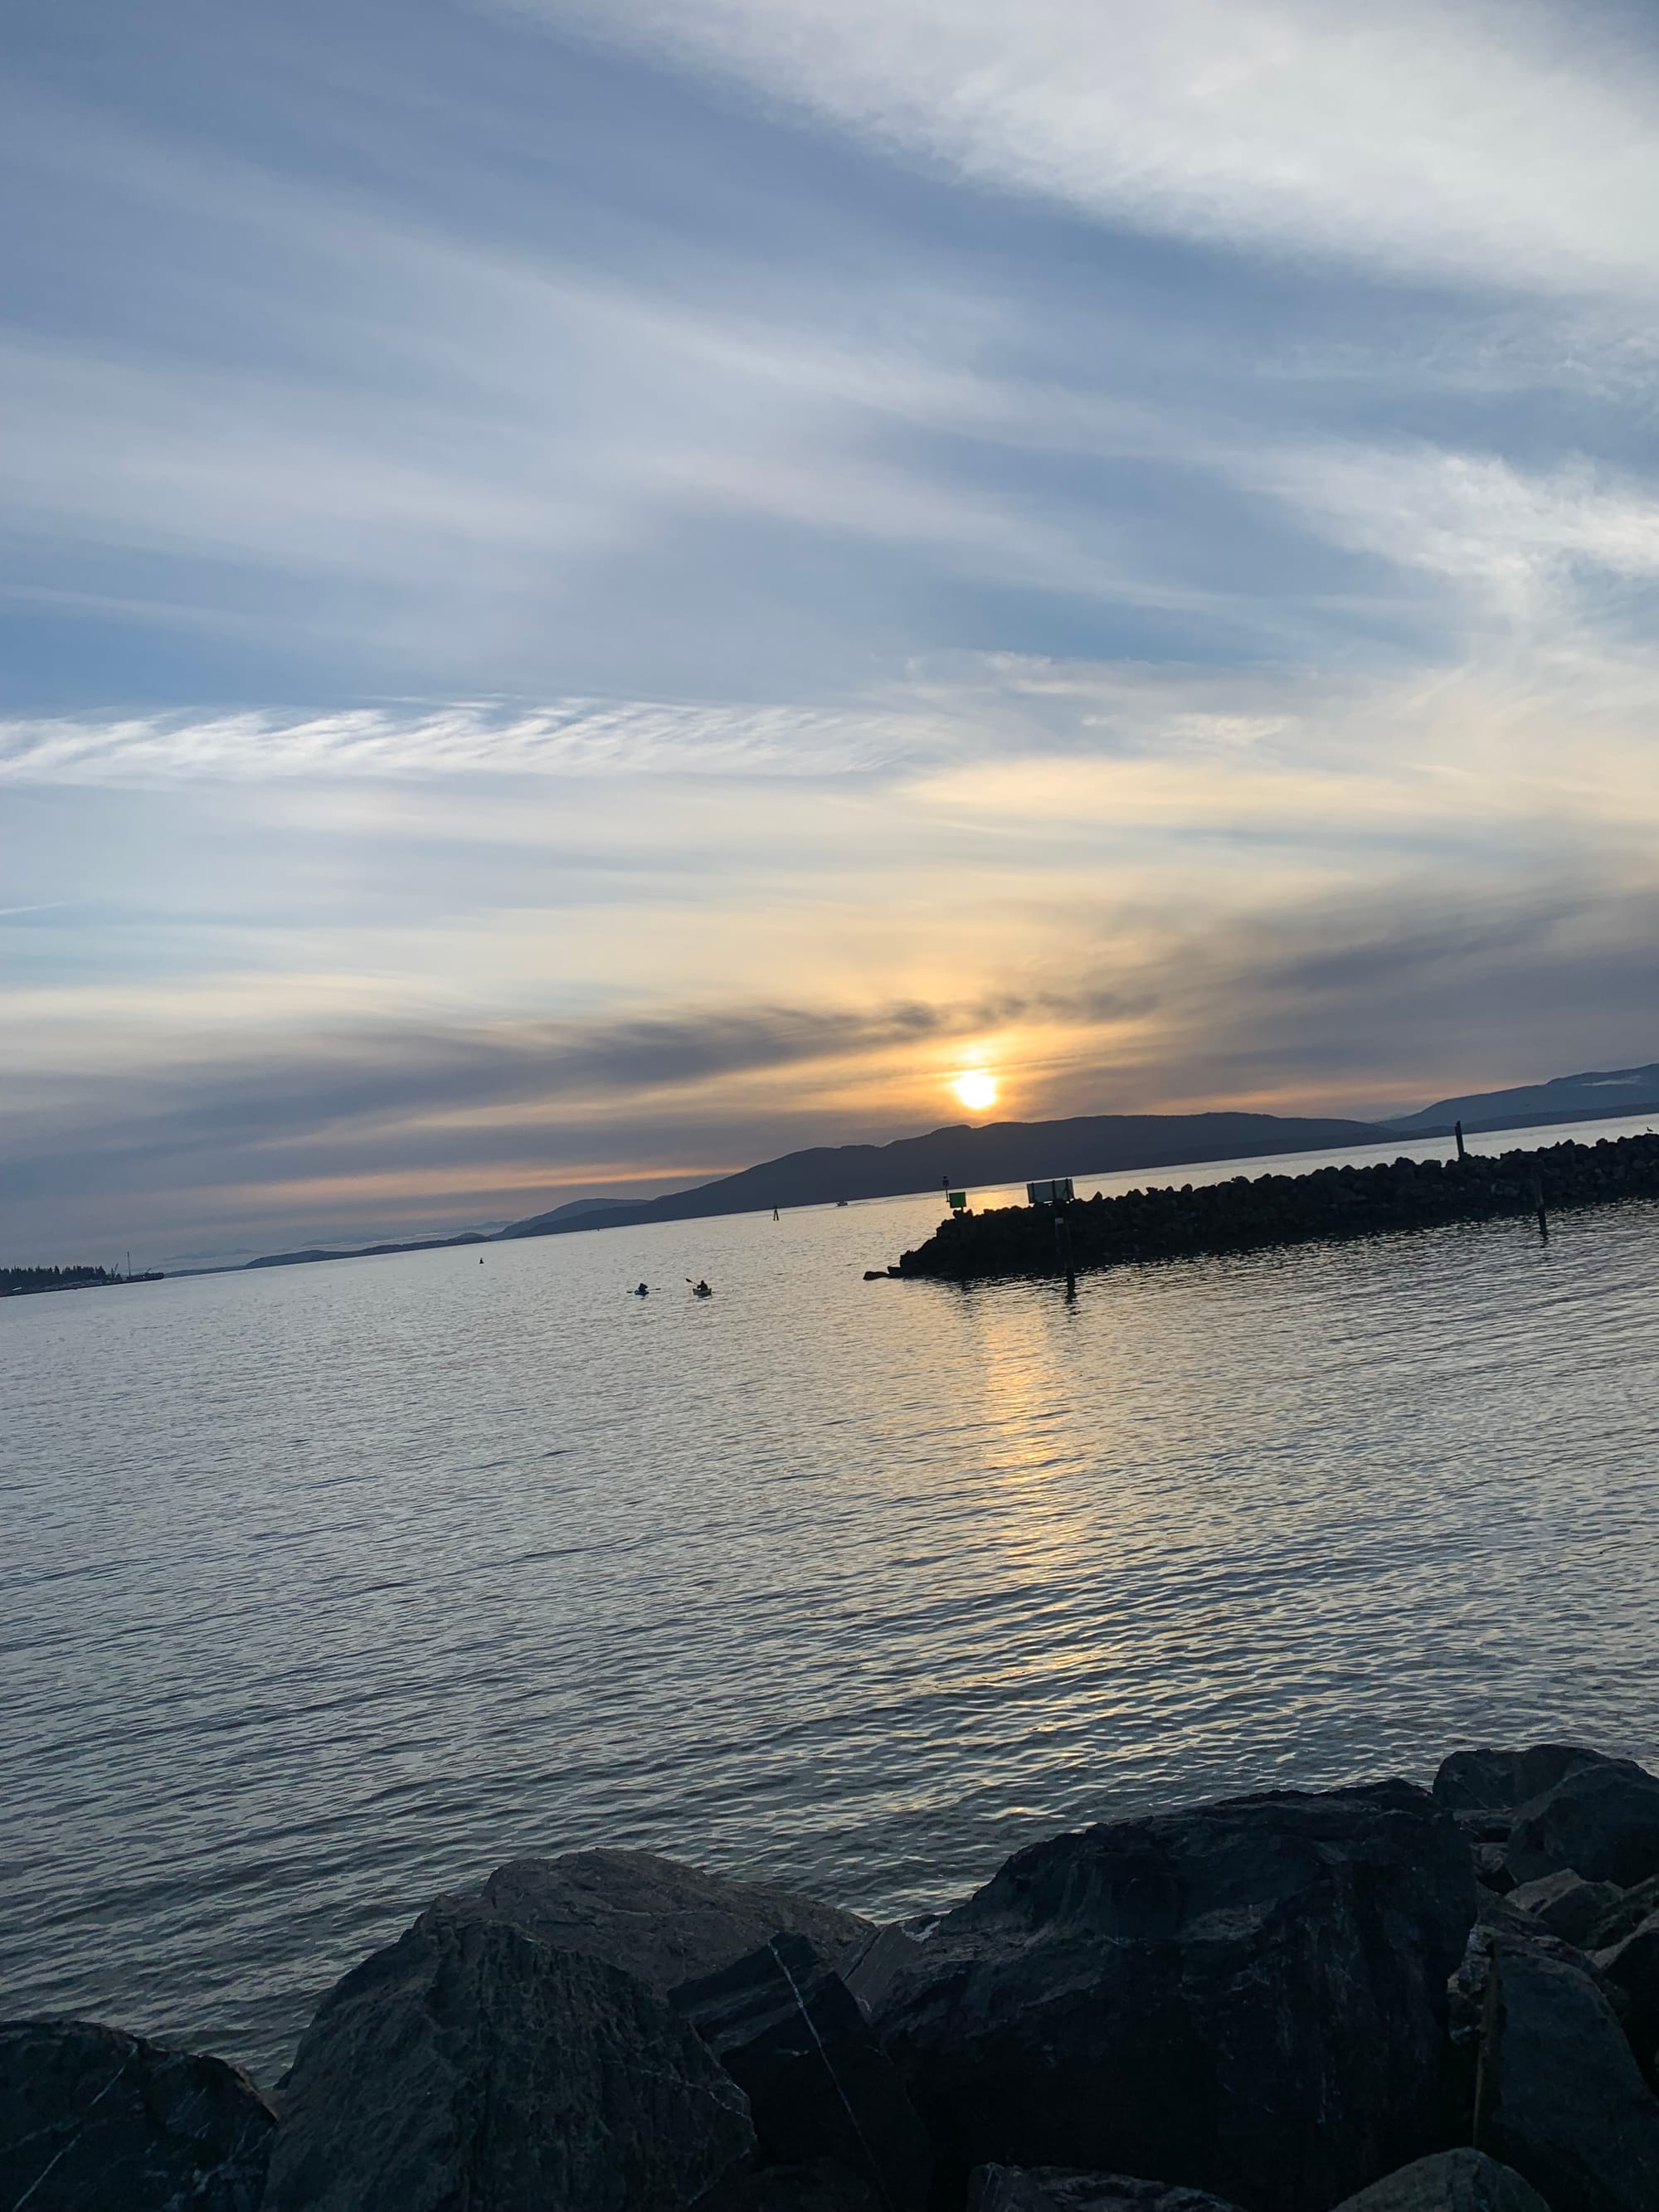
588	590
582	737
1512	143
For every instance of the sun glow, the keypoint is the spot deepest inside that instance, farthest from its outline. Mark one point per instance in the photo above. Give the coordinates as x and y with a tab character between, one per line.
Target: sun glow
977	1089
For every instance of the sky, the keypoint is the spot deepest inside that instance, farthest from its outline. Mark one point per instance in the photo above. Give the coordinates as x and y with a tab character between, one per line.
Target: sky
593	592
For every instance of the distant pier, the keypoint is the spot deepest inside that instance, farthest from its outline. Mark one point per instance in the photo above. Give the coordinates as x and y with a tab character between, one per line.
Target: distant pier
1253	1213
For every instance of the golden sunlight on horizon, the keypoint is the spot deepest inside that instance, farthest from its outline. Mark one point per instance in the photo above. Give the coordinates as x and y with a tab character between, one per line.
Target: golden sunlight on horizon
977	1089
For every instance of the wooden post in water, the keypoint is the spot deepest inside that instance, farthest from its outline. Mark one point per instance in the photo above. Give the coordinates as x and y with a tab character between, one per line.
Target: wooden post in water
1457	1131
1063	1251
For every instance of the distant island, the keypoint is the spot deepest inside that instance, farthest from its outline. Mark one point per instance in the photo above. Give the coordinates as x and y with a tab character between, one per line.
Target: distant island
1595	1096
1023	1152
996	1152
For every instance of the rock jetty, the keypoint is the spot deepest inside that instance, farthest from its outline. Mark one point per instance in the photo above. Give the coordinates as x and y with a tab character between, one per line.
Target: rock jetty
1248	1213
1373	1999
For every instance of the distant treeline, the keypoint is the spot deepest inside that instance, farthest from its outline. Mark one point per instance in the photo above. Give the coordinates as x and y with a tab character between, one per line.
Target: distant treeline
17	1282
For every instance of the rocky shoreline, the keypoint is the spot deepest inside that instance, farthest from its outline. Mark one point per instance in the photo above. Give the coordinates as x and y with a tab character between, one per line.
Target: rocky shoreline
1379	1999
1253	1213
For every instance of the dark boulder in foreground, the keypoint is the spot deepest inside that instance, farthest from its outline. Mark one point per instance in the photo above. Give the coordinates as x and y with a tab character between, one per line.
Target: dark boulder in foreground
1559	2096
1248	1998
785	2028
1279	2003
1602	1819
1451	2181
656	1918
469	2068
1057	2188
92	2120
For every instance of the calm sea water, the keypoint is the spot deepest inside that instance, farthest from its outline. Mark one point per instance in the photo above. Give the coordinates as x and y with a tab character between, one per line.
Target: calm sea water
328	1588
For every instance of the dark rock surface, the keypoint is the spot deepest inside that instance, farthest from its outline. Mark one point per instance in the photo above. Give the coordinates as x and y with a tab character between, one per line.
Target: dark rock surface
1560	2097
1486	1781
1252	1213
1058	2189
1623	1918
788	2030
92	2120
1467	1989
824	2186
1450	2181
870	1969
1567	1905
1632	1967
469	2068
654	1917
1602	1820
1249	1998
1492	1867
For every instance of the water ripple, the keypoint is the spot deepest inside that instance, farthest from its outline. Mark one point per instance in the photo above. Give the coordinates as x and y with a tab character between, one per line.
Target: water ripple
328	1588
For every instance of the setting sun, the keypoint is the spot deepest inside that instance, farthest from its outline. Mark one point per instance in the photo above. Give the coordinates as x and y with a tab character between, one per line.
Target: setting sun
977	1089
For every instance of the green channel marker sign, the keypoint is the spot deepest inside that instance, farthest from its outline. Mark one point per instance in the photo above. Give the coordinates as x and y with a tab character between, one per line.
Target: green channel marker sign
958	1200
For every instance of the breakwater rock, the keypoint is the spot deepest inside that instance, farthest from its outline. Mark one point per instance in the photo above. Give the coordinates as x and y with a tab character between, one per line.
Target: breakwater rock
1374	1999
1250	1213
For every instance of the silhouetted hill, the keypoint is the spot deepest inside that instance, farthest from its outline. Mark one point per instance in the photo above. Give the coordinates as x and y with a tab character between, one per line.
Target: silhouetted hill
365	1251
1564	1098
1001	1152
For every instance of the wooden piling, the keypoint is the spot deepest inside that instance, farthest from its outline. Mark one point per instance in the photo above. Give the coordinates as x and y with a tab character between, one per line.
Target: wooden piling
1457	1131
1063	1251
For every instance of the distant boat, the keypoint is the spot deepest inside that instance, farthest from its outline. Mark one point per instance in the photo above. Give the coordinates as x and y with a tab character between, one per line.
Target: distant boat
840	1202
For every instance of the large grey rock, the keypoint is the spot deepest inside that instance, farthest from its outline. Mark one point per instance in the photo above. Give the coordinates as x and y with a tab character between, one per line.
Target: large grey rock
1560	2097
1057	2188
1491	1864
1626	1916
1567	1905
469	2068
92	2120
656	1918
1450	2181
1472	1782
1601	1820
785	2027
1632	1967
1249	1998
1467	1989
870	1968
